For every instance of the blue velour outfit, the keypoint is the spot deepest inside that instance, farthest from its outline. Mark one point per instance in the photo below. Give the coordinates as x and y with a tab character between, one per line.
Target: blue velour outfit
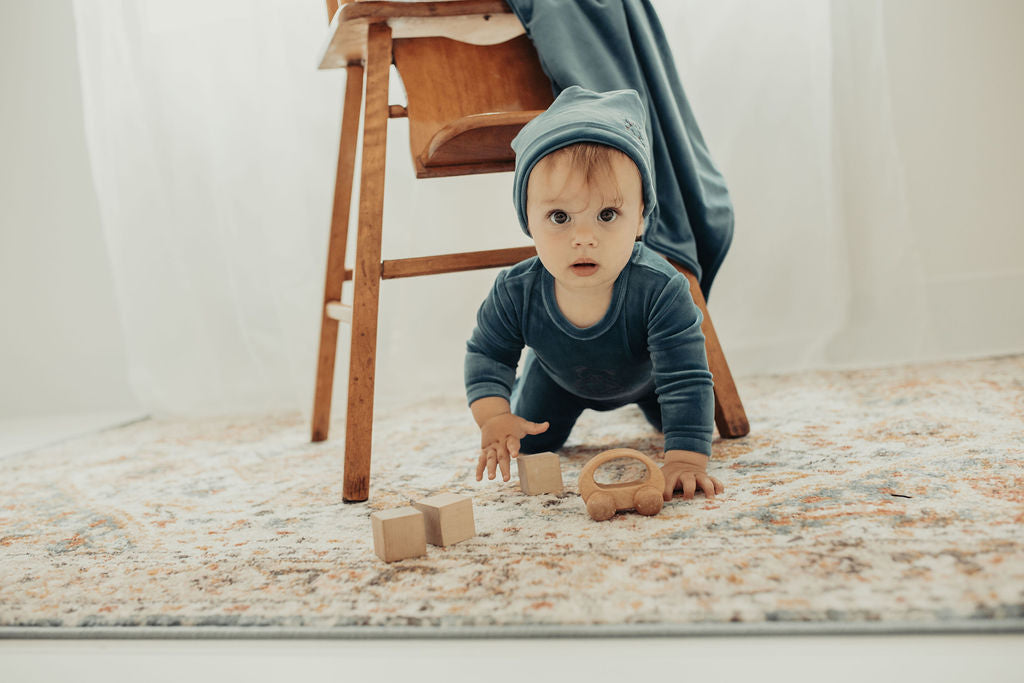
648	348
607	45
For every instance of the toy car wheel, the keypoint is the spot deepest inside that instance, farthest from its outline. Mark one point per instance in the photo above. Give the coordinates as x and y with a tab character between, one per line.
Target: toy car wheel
648	500
601	506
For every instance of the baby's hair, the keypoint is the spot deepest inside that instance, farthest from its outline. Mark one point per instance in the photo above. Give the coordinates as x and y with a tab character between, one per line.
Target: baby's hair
594	160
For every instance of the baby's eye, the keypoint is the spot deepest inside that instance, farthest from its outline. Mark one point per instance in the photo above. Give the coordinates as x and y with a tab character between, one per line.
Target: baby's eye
607	215
558	217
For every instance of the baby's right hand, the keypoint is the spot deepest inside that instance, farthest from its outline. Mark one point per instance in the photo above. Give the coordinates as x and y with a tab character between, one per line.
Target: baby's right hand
499	441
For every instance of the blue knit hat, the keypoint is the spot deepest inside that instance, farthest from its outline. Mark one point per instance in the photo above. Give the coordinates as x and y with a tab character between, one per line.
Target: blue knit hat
616	118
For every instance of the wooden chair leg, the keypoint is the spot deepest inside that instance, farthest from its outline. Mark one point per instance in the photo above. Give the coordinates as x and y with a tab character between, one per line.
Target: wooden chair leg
730	418
367	271
335	276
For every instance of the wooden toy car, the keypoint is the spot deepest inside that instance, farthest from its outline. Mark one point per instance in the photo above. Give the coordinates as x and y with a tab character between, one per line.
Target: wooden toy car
603	500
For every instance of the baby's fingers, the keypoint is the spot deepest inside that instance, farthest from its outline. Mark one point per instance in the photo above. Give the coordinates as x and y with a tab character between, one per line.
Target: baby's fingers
481	463
708	486
534	427
503	463
492	462
670	486
512	445
689	483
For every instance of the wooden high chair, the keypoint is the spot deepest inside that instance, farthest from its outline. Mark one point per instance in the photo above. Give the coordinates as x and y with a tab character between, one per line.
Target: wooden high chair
473	80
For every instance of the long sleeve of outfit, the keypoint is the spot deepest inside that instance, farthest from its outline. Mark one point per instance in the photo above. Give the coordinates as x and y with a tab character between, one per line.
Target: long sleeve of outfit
648	341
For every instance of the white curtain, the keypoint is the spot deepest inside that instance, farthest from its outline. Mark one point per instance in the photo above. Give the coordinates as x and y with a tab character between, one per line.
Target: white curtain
213	140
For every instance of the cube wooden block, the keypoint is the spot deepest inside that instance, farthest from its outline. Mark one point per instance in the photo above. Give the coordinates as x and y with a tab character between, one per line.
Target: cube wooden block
539	473
398	534
448	518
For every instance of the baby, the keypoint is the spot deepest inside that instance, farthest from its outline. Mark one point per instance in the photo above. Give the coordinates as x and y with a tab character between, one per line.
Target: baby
607	321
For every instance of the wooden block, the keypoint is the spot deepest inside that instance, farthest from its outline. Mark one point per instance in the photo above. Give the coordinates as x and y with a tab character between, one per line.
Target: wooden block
539	473
448	518
398	534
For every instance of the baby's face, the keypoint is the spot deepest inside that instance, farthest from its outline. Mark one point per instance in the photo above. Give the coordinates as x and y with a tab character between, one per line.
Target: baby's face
584	232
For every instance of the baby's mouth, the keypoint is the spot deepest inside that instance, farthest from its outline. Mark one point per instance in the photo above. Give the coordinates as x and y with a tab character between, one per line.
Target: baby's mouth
584	267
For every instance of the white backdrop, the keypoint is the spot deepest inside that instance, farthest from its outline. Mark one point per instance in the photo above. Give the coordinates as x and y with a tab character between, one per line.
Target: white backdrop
872	152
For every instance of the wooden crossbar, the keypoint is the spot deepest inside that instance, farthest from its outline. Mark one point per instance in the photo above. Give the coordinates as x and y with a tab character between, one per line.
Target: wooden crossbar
451	263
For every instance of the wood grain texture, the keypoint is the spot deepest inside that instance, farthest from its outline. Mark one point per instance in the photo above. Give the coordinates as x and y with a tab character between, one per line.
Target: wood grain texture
454	263
467	102
448	518
452	170
373	11
730	417
481	22
539	473
482	138
622	493
335	273
398	534
332	9
366	292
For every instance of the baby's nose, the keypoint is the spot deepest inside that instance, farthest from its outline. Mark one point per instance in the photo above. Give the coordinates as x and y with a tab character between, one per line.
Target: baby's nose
584	234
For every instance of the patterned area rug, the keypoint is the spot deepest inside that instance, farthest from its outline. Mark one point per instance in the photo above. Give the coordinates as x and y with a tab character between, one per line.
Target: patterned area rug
885	498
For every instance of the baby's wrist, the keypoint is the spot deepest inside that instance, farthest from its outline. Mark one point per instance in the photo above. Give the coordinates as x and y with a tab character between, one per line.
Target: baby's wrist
488	408
688	457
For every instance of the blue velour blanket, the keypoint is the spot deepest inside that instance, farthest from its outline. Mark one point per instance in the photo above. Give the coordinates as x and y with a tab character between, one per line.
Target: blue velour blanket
606	45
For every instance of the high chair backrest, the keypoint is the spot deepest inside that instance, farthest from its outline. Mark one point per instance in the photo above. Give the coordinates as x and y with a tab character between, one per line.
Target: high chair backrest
465	101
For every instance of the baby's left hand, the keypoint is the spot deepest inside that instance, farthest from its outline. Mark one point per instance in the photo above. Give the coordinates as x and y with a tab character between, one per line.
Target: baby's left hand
688	475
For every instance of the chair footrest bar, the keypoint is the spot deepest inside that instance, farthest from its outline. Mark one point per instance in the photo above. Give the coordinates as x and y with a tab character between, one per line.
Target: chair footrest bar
451	263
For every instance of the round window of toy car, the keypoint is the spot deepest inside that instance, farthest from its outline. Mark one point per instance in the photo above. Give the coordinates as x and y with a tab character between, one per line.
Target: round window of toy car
620	471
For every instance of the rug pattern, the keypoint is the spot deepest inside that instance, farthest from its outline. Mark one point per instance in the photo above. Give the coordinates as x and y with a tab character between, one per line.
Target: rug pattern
883	495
